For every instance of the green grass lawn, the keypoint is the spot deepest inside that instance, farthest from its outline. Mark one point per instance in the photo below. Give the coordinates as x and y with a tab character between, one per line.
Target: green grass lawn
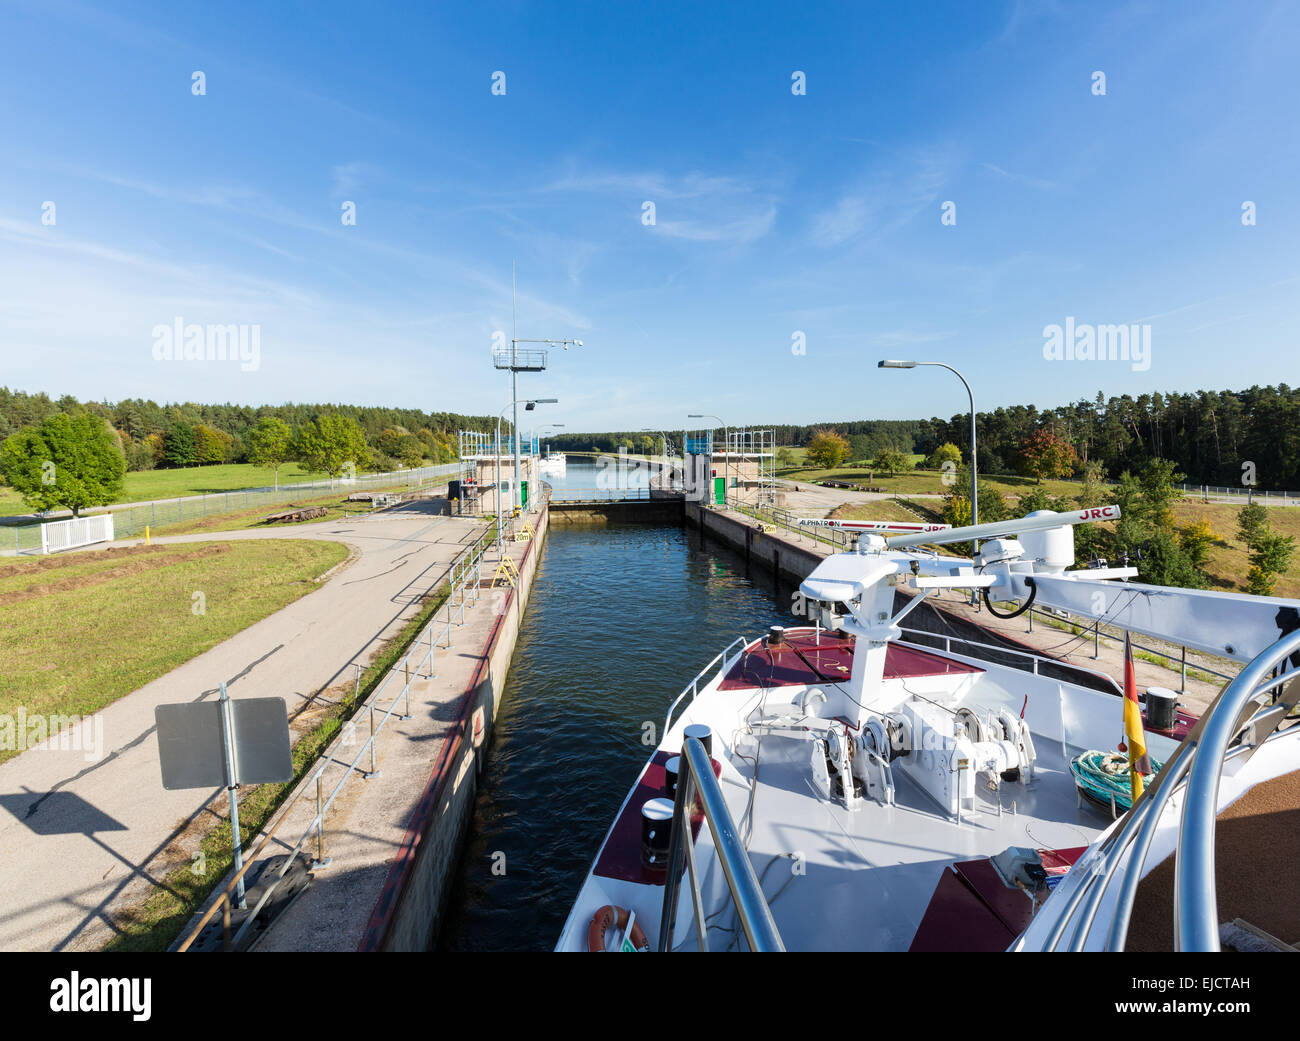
335	503
883	510
11	502
190	480
200	480
83	629
1228	562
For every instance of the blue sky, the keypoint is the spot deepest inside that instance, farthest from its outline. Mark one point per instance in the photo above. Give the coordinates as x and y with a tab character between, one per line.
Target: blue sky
775	213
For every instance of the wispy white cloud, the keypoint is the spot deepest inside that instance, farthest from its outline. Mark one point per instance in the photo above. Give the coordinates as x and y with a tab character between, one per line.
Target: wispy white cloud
739	231
842	221
884	199
348	177
693	207
1032	182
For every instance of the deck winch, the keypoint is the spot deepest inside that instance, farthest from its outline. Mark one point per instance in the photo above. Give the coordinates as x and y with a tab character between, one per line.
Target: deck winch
941	750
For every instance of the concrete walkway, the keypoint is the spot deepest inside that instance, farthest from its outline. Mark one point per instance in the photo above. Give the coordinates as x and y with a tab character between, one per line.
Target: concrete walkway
370	821
79	839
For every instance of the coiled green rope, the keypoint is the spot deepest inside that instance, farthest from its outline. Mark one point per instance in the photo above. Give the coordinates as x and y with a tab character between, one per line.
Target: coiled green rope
1105	775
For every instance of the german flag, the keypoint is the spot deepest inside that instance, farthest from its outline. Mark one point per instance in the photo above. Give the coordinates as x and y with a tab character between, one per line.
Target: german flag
1139	763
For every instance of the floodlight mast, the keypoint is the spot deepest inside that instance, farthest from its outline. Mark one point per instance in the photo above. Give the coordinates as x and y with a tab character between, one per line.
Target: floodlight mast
514	392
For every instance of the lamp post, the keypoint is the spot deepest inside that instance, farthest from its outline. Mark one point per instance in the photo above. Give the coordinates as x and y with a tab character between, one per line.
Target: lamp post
496	459
665	464
514	387
548	426
974	488
726	459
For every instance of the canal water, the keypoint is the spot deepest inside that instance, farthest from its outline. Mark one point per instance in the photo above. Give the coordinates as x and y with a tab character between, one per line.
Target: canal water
621	619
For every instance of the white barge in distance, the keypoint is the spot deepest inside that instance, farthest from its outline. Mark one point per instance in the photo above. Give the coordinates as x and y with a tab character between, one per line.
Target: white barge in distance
846	786
555	464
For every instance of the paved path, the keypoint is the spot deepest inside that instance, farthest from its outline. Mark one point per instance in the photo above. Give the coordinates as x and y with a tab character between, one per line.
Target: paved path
368	822
79	839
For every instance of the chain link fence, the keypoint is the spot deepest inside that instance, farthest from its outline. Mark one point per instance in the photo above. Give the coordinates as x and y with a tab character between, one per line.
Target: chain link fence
1240	496
130	520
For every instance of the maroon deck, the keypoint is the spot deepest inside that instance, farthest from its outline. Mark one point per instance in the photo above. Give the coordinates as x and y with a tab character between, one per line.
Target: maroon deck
805	658
972	910
1183	723
621	857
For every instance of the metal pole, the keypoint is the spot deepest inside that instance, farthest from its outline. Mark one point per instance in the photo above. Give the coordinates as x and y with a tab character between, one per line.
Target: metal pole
514	422
496	472
228	741
321	860
374	770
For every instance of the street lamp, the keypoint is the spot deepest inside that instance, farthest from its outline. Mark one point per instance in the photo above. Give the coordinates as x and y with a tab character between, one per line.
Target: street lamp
542	429
974	495
515	369
726	458
662	435
496	457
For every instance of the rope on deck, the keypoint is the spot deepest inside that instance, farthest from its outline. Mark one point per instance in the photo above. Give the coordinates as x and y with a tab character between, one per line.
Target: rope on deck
1104	776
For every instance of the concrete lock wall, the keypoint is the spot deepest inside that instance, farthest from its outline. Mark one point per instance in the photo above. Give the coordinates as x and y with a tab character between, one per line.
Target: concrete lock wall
409	912
655	510
783	558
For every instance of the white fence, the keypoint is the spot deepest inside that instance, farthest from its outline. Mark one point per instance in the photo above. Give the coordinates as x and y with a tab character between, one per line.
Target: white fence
81	531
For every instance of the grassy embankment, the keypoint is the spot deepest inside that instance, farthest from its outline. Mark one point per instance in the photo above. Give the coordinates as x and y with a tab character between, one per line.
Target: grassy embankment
84	629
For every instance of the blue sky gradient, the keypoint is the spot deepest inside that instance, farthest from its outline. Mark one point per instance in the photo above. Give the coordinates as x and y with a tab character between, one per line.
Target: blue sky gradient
775	213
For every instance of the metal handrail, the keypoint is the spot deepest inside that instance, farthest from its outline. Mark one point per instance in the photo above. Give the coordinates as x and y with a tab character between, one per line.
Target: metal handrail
840	537
468	566
696	778
1196	767
693	688
1037	659
567	495
1196	924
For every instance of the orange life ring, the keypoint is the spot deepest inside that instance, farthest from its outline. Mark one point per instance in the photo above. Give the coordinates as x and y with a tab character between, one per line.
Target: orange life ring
615	917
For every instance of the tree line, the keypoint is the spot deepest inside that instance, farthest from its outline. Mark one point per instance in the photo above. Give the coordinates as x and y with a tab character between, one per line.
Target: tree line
1225	438
190	434
1229	437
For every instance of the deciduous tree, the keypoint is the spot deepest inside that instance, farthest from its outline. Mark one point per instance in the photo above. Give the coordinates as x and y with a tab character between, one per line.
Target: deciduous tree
827	449
331	444
67	461
271	444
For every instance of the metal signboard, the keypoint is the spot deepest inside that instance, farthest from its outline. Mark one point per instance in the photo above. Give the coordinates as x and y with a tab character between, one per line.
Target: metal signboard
192	751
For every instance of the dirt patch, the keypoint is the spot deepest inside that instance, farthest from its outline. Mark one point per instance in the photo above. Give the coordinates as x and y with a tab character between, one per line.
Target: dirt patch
150	560
28	567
